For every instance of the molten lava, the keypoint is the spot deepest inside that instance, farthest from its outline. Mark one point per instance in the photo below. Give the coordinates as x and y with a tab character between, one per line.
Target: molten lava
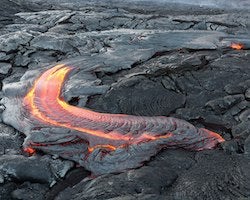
116	136
29	150
237	46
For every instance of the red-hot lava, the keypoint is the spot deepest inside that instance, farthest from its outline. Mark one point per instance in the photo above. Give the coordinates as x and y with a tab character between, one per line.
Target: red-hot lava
47	105
109	132
29	150
237	46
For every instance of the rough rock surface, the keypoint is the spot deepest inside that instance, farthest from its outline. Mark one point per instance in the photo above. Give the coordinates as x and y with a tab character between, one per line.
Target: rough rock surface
145	59
183	177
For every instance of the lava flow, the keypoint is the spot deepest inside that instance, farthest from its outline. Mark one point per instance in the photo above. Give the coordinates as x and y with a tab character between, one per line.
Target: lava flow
237	46
114	141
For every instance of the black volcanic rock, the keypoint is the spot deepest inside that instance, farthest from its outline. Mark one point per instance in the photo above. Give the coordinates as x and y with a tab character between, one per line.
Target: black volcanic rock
223	104
153	178
213	177
5	68
11	42
241	127
28	191
247	94
247	147
207	172
143	98
6	190
141	58
33	169
52	42
8	9
10	140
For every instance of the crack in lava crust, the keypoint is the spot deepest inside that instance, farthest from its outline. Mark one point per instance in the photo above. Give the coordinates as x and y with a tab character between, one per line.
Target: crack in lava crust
102	143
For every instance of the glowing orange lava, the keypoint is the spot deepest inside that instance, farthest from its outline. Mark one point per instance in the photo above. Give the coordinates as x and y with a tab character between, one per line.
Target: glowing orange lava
45	103
29	150
237	46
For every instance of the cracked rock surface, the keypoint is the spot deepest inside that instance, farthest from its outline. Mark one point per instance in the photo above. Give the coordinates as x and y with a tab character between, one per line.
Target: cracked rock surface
146	59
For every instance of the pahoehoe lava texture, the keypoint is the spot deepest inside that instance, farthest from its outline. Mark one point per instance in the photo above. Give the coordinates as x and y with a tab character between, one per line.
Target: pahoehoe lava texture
136	58
102	143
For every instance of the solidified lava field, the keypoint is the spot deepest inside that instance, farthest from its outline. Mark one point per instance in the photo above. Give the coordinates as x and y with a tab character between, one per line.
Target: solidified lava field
180	61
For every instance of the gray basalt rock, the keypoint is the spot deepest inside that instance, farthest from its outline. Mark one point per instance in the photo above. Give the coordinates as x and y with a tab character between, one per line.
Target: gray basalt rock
46	18
30	28
232	147
21	60
144	98
241	130
245	115
11	42
10	140
6	189
213	177
234	89
52	42
5	68
7	10
3	56
247	94
28	191
154	178
140	59
247	147
33	169
140	196
223	104
214	168
239	88
1	179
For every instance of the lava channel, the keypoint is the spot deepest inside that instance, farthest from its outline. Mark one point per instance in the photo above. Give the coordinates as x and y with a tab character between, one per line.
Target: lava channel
101	142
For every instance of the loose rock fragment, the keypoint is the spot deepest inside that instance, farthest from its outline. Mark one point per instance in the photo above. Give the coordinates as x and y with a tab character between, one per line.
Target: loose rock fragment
221	105
5	68
242	129
247	94
245	115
